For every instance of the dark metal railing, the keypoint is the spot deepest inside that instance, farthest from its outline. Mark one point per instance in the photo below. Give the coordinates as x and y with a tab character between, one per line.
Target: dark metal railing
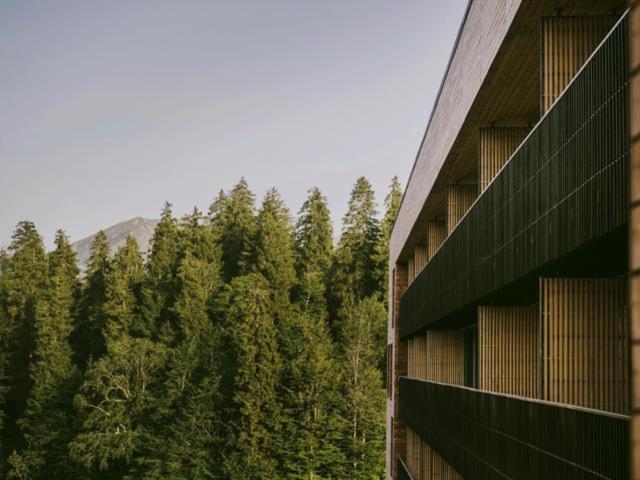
403	472
564	187
484	435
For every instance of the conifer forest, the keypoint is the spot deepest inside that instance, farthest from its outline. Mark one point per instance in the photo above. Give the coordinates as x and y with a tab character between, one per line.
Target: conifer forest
245	344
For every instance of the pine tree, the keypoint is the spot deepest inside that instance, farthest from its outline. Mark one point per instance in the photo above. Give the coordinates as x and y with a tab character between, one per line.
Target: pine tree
363	391
24	283
48	419
88	339
314	248
233	220
353	271
251	374
392	206
159	288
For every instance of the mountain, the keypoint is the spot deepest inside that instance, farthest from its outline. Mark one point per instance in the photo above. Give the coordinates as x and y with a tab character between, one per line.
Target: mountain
140	228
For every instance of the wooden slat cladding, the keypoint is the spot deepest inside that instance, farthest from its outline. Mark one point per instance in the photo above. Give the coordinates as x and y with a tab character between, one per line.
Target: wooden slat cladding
436	233
508	341
495	146
585	336
565	188
445	356
424	463
417	357
567	43
411	271
459	198
420	257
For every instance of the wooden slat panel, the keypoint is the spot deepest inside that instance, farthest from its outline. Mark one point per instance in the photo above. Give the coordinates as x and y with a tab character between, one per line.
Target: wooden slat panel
436	233
445	356
424	463
420	257
508	347
586	353
495	146
567	43
459	198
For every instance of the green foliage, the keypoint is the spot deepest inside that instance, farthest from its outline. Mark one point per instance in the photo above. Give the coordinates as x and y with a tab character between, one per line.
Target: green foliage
233	220
392	206
243	347
314	249
46	425
91	318
23	286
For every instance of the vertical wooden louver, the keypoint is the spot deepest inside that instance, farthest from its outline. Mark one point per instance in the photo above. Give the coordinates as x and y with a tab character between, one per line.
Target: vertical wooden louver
585	337
495	146
424	463
445	356
419	258
417	357
436	233
567	43
460	197
411	271
508	341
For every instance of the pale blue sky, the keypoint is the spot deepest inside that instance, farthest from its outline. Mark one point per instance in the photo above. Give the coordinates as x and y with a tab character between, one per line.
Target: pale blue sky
108	108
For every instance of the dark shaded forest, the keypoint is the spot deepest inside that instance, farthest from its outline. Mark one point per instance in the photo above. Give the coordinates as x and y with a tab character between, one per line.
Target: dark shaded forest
243	345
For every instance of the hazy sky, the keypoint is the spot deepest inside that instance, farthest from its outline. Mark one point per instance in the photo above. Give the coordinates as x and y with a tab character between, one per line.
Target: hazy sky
109	108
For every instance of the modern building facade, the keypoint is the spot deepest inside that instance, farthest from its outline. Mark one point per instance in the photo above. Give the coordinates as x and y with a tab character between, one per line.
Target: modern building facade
509	338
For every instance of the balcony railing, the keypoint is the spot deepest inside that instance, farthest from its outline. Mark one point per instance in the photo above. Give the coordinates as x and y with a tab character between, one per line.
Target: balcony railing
485	435
403	471
564	187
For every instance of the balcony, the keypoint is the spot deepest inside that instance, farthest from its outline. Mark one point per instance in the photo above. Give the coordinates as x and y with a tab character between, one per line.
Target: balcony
484	435
563	189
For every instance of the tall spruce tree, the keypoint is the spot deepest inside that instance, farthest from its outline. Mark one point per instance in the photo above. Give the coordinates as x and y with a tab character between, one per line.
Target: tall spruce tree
251	374
234	224
117	400
363	392
392	206
48	419
314	248
159	288
24	284
87	338
353	271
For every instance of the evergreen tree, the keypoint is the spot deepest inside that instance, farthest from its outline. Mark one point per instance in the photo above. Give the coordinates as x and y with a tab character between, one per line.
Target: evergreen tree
353	271
24	283
314	248
251	374
87	338
233	220
363	392
274	250
392	206
48	419
159	287
117	399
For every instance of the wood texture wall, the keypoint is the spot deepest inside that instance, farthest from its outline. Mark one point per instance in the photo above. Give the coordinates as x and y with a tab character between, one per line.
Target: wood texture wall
567	43
436	233
585	342
459	198
417	357
411	270
508	349
426	464
445	356
495	146
421	256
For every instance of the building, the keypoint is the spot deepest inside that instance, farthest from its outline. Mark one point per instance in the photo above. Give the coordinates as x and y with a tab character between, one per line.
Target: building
509	340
